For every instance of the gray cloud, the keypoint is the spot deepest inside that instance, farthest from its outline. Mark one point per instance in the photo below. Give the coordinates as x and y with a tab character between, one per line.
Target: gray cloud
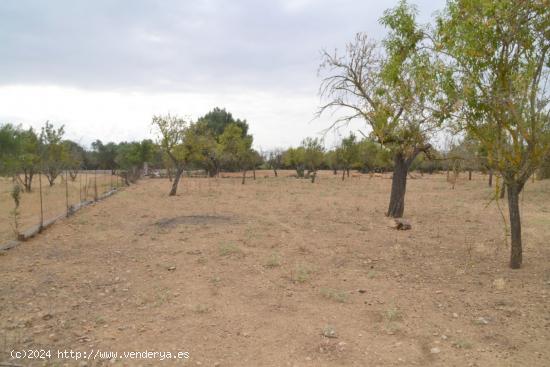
176	45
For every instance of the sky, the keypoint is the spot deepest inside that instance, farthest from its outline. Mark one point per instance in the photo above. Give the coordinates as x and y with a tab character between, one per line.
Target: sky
103	68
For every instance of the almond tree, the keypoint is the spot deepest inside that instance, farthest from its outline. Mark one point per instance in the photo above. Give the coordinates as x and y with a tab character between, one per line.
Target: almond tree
172	132
391	87
235	148
314	155
54	153
497	55
347	154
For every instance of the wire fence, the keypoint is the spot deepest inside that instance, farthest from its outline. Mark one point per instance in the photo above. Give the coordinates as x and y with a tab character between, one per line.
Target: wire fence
46	202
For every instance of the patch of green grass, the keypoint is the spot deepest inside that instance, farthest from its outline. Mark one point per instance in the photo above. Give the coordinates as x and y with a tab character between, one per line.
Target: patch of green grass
163	296
300	274
393	314
462	344
228	249
334	294
273	261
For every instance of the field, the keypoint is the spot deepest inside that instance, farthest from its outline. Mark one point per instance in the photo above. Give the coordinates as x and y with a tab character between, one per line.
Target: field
282	272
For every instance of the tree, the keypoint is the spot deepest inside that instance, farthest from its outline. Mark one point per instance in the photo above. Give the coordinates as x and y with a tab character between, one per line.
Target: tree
332	161
498	65
347	154
391	87
275	160
131	158
172	131
105	155
28	156
10	145
294	157
374	156
54	154
205	148
236	149
314	154
74	158
219	119
255	160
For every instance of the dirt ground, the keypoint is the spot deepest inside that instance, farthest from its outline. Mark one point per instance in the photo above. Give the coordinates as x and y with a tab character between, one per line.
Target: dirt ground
282	272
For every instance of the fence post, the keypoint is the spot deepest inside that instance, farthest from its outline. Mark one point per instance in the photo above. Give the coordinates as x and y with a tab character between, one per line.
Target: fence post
95	185
41	205
80	186
67	192
86	184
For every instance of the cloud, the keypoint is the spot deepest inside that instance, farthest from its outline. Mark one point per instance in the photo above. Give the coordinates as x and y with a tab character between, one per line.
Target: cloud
260	58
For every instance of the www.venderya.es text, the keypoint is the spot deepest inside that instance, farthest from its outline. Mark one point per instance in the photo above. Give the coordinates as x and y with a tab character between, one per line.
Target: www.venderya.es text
43	354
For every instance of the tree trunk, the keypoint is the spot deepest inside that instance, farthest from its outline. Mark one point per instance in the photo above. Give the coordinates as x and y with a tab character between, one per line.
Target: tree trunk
275	171
28	180
490	178
343	174
470	175
334	171
313	175
398	187
502	190
347	172
515	226
175	182
244	176
254	174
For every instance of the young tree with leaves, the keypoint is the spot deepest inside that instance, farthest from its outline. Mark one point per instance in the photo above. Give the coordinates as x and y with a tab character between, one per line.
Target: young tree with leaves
497	55
347	154
172	132
28	157
236	149
74	159
314	155
294	157
54	153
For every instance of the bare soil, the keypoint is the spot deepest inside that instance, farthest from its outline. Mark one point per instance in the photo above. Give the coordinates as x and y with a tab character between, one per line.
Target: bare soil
282	272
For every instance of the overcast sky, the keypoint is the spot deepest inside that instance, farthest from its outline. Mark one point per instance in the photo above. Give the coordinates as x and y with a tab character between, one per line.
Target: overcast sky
103	68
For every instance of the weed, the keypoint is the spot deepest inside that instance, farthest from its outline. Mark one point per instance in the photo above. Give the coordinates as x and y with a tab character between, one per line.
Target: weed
335	295
201	309
273	261
329	332
462	344
229	249
300	274
393	314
